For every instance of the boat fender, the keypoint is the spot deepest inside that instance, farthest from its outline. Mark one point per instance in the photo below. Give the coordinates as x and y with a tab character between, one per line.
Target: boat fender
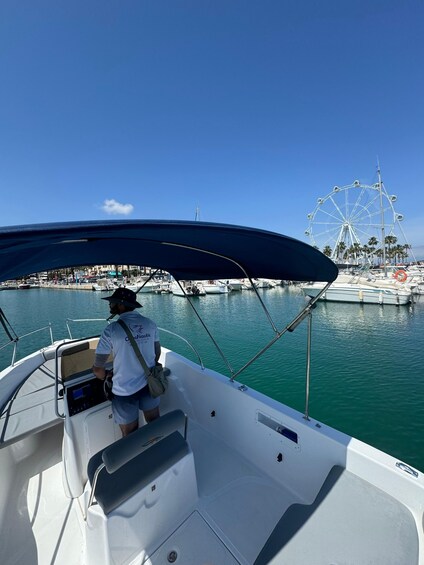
401	275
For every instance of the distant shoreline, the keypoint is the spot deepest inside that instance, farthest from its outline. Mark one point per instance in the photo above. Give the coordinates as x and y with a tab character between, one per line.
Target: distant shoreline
72	286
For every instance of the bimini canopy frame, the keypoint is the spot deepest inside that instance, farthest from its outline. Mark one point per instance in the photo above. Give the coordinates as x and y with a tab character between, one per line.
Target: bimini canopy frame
187	250
174	246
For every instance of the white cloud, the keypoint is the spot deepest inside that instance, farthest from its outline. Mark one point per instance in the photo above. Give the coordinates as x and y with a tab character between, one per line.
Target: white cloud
111	206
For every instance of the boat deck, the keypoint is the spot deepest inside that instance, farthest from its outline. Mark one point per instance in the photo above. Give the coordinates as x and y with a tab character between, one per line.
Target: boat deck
242	516
237	508
39	523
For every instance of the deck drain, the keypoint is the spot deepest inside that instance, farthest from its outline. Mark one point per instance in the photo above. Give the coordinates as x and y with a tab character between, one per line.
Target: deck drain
172	556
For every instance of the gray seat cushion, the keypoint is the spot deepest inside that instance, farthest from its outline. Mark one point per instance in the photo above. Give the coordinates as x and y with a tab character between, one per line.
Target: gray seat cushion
350	521
120	452
113	489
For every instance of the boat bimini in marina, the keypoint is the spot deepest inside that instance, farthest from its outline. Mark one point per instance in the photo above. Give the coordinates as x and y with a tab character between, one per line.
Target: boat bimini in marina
226	475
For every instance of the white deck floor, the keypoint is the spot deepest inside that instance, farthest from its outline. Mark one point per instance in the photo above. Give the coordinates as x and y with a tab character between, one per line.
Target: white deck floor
41	525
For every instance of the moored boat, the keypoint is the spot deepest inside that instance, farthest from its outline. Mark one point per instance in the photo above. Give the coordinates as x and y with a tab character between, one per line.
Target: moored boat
143	286
265	283
187	288
348	288
235	284
215	287
104	285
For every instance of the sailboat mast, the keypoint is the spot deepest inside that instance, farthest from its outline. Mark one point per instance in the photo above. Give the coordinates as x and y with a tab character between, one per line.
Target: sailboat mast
383	236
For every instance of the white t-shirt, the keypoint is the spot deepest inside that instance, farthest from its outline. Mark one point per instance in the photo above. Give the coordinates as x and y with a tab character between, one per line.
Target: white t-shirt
128	374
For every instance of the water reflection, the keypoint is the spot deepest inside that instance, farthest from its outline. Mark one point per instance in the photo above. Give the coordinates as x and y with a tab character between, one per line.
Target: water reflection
341	314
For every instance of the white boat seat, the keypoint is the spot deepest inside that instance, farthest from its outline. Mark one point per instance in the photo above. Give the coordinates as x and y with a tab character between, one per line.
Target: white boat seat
133	462
145	479
350	521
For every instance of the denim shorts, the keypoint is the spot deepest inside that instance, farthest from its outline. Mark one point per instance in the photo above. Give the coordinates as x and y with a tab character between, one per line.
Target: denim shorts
125	408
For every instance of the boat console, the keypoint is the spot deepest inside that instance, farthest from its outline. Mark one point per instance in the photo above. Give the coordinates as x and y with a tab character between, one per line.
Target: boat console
84	395
87	413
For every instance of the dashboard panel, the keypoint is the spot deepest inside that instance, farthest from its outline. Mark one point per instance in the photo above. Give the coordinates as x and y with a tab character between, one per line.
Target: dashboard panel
85	395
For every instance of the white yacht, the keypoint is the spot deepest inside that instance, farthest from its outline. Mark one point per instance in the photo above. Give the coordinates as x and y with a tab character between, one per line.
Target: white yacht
146	286
235	284
355	288
407	278
226	475
187	288
104	285
216	287
264	283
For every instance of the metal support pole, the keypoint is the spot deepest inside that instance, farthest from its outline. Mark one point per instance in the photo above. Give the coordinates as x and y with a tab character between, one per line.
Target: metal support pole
308	366
383	235
93	487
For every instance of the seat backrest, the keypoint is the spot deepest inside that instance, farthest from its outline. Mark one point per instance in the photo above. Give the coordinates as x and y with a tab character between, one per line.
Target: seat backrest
122	451
123	468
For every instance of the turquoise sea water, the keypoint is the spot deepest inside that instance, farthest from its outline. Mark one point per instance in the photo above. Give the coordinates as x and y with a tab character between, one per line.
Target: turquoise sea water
367	376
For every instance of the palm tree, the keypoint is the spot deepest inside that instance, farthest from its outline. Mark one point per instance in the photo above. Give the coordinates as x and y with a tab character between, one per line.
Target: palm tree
372	242
400	253
390	240
406	248
340	249
327	251
366	251
356	250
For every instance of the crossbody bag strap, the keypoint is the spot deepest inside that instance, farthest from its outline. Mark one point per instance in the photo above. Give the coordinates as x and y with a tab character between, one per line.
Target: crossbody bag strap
135	347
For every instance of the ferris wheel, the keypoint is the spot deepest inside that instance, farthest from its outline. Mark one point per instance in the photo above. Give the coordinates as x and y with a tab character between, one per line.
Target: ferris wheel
350	217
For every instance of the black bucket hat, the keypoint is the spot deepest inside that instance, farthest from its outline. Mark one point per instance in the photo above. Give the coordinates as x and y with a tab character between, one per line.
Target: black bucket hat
124	296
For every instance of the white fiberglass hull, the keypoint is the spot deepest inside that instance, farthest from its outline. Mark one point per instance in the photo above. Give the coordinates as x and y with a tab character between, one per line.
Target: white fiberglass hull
216	288
226	475
187	289
235	284
345	292
148	287
268	484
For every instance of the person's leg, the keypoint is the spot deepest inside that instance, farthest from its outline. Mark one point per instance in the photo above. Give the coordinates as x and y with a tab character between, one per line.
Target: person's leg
125	411
149	405
126	429
150	415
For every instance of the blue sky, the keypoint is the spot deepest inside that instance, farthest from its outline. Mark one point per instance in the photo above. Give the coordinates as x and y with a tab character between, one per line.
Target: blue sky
246	110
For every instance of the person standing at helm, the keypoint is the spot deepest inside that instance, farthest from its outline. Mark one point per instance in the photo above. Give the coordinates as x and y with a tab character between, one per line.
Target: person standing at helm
130	390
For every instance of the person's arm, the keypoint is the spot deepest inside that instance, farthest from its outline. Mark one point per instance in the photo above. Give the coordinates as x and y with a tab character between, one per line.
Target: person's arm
99	367
157	351
103	350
